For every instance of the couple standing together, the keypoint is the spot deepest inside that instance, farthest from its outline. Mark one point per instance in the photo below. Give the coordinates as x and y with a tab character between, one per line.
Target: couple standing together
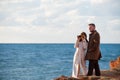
87	50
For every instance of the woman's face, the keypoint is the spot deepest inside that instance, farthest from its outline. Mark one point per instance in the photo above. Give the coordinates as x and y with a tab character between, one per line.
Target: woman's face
83	36
79	38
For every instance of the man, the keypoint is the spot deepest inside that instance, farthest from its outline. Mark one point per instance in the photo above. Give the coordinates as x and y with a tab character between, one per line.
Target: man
93	53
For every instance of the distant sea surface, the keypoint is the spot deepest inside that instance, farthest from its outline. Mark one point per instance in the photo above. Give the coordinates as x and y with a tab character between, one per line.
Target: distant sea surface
45	61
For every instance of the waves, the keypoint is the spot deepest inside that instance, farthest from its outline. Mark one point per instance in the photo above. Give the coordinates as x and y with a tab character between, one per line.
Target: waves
44	61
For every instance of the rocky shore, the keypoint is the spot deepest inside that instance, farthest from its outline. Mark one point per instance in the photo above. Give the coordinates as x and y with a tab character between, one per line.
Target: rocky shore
112	74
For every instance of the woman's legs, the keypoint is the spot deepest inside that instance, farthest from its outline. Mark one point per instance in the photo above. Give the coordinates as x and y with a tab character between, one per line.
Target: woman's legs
83	66
78	70
75	70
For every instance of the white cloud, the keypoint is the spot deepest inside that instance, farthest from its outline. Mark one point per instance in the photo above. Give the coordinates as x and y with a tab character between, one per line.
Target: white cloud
32	34
73	12
98	1
115	21
114	25
91	19
57	20
15	1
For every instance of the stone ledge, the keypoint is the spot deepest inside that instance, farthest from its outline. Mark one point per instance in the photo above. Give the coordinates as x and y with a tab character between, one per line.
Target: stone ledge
85	78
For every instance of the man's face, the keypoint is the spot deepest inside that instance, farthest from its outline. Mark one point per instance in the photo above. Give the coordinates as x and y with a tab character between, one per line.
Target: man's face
91	28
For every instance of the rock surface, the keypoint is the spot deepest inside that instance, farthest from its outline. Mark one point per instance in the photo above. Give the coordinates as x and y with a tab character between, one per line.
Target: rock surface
85	78
112	74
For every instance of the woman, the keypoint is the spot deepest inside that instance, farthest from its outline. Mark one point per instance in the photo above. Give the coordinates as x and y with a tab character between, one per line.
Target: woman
79	56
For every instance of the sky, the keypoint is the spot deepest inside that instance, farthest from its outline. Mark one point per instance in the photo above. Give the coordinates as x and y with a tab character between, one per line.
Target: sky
58	21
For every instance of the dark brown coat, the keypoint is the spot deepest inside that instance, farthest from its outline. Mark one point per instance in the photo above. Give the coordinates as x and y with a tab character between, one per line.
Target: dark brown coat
93	52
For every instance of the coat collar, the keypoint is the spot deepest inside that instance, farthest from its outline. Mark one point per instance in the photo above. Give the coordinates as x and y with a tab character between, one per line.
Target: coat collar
93	32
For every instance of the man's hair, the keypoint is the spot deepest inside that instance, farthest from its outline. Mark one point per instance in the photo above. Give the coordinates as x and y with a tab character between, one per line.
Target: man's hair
91	24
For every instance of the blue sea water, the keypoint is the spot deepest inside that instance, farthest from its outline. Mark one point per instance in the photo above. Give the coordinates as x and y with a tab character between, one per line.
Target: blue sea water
44	61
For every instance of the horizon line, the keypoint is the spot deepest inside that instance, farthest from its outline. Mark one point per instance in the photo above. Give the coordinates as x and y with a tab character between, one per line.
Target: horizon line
50	43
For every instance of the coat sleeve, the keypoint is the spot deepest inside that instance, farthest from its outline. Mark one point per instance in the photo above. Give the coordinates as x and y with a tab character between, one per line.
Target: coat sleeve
96	41
76	44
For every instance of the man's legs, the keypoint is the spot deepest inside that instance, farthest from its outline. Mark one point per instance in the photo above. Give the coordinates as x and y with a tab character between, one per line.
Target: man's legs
97	69
90	69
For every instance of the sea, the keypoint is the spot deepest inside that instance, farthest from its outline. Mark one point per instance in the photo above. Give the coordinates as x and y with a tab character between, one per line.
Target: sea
45	61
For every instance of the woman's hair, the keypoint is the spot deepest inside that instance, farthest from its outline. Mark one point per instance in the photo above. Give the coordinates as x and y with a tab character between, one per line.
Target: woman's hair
84	35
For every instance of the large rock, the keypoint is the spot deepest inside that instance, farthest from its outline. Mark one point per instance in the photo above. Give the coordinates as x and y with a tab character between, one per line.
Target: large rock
85	78
115	64
112	74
